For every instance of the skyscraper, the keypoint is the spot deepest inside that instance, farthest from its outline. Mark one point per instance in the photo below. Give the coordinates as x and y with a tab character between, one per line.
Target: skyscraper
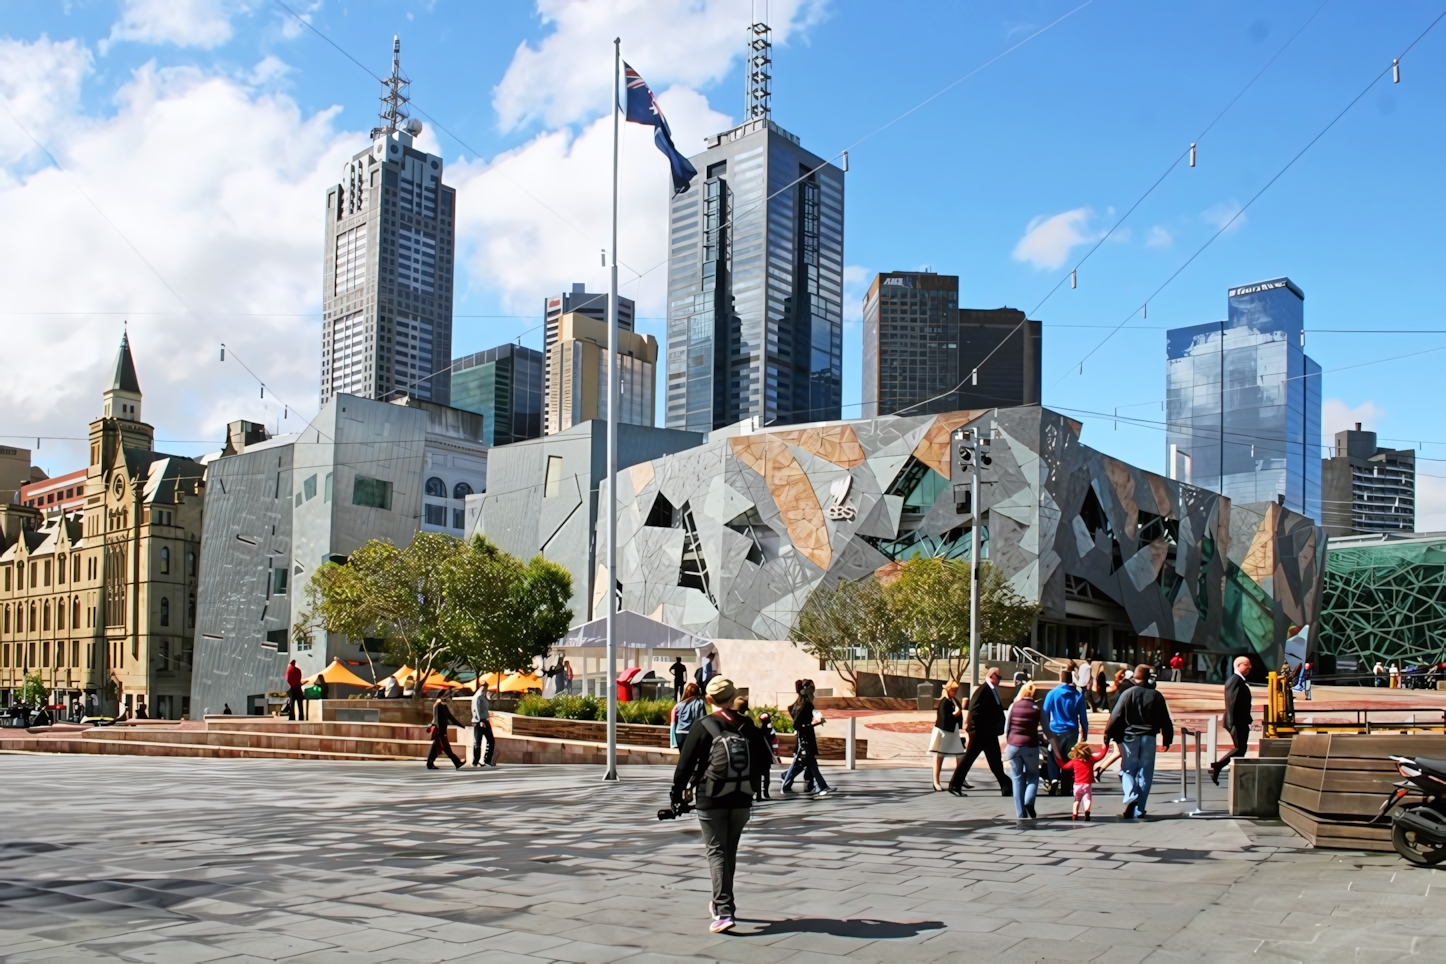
504	386
579	299
924	355
755	276
577	374
1244	403
387	272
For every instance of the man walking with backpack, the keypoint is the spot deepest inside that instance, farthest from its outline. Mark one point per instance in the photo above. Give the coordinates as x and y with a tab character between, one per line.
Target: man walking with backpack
720	761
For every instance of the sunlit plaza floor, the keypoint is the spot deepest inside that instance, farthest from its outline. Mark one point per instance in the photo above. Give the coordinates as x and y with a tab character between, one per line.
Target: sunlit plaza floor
175	860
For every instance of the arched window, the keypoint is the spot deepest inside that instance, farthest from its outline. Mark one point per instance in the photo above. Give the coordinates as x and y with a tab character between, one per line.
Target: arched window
461	490
165	559
20	619
75	614
60	614
165	611
45	615
60	568
436	487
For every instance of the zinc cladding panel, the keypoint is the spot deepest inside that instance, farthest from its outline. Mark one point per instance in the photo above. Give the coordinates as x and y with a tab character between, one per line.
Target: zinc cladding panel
242	506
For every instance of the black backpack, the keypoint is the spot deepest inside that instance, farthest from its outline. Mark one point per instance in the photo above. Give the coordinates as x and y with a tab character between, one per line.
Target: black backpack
729	768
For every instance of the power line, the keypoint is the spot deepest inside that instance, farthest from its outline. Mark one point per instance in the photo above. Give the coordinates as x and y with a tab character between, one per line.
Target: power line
1236	216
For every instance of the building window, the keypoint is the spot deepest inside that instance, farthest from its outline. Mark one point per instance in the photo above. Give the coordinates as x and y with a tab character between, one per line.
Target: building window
552	480
308	489
45	654
165	560
278	581
436	488
165	611
75	653
7	619
75	567
47	572
459	518
45	617
326	495
372	493
7	578
60	614
191	611
60	568
461	490
190	563
75	613
20	575
436	515
60	654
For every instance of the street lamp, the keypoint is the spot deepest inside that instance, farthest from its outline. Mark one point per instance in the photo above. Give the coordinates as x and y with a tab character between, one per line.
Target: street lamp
971	457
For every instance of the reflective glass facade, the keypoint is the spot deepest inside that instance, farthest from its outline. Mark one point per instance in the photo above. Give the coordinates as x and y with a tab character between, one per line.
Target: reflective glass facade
504	386
755	284
1244	403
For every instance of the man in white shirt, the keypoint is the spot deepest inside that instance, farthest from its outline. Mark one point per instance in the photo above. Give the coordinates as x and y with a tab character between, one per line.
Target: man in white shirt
482	726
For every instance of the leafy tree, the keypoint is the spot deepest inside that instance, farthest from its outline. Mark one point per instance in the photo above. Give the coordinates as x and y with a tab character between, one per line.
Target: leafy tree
848	620
1005	616
33	691
507	614
930	596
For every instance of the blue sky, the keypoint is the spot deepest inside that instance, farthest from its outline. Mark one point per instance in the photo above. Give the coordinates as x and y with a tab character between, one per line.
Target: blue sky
204	133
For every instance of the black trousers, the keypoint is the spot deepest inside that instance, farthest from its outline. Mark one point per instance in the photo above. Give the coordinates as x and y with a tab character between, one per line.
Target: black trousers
294	702
440	744
678	686
989	746
480	730
1241	736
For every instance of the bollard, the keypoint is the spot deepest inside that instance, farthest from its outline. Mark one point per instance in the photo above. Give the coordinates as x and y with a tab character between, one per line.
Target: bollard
1199	784
924	696
1214	739
1184	796
849	746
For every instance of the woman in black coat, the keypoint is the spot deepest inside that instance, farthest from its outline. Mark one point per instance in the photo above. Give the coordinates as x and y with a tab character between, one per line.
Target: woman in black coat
945	741
442	718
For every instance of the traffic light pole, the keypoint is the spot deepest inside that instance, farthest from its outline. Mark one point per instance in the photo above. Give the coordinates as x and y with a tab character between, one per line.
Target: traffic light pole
974	570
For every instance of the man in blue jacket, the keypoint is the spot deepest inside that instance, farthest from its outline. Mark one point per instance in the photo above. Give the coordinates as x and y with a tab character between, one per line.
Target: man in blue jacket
1066	721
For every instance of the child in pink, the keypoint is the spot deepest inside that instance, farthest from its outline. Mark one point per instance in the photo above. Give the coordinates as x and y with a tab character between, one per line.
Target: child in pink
1081	764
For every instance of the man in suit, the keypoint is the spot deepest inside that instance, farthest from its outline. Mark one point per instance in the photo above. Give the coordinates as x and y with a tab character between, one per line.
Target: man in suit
1237	716
984	725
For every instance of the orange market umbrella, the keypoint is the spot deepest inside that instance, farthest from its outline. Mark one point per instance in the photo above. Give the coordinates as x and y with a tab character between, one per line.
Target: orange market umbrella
338	675
520	683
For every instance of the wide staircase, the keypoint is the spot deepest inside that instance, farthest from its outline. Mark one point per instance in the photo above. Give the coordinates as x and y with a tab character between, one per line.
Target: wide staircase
268	737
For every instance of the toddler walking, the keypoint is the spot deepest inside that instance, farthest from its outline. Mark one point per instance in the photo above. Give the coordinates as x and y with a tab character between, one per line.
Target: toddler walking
1081	764
765	723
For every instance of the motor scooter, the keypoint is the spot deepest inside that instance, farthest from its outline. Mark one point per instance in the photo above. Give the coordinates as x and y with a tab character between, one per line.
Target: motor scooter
1418	832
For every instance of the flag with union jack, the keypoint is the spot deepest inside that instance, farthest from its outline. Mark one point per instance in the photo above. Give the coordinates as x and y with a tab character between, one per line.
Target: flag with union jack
641	107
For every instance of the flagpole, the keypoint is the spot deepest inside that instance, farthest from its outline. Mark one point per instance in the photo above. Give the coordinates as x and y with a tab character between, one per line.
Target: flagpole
610	592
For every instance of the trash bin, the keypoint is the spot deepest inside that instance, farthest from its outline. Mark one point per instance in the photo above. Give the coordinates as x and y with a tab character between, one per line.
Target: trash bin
926	696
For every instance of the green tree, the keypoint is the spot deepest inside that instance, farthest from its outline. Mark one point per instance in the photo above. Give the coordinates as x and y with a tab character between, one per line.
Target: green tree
1005	617
506	614
396	595
33	691
931	598
847	622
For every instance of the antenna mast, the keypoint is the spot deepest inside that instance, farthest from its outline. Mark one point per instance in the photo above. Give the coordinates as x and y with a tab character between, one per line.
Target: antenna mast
758	78
394	95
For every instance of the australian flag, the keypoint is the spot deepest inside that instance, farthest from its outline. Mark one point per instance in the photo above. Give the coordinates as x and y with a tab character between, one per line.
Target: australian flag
642	108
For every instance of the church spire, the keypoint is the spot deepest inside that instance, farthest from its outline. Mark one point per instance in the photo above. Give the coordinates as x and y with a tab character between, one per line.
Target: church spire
123	398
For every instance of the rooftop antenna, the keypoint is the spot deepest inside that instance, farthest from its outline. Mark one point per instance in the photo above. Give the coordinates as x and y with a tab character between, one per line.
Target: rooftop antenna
758	78
394	95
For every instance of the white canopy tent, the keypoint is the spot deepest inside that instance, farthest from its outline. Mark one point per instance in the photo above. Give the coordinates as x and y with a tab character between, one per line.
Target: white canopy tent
637	632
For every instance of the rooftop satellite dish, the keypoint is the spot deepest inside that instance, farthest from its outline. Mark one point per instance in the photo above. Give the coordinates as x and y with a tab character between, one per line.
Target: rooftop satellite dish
413	127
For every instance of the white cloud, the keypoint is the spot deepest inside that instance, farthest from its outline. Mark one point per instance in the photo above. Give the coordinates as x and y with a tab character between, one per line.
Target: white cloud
218	187
1224	216
513	245
40	85
1337	416
568	76
1159	238
1047	242
856	280
185	23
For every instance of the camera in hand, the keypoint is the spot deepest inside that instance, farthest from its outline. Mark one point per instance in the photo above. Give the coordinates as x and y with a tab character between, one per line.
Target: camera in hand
676	810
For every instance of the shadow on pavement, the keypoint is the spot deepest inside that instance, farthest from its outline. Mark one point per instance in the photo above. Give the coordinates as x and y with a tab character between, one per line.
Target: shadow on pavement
868	930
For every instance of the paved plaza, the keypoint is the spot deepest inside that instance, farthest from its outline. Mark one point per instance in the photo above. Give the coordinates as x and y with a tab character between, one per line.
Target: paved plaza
174	860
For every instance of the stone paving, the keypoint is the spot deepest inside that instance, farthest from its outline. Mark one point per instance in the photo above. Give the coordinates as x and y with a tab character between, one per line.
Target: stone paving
171	860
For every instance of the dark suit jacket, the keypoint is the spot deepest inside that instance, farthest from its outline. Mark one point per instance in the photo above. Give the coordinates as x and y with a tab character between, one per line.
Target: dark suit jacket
1237	703
986	713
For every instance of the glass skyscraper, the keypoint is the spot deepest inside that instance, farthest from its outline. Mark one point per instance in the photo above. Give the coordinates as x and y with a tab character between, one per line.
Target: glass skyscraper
755	284
504	386
1243	401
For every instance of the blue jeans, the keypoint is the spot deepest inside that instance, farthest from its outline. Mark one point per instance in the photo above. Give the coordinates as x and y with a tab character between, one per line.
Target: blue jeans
1137	769
805	764
1023	764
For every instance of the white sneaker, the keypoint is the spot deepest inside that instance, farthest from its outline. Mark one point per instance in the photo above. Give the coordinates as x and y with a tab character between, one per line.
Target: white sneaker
821	794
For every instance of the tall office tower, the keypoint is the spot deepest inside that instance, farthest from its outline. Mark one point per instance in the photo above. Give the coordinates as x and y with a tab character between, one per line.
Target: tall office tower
386	325
1365	488
1243	401
577	374
504	386
755	276
924	355
582	301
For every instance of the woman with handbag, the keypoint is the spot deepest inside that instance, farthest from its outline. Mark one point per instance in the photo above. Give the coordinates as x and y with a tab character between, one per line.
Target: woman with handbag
441	719
945	741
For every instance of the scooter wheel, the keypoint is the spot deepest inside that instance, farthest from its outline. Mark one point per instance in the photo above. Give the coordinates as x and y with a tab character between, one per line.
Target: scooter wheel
1413	847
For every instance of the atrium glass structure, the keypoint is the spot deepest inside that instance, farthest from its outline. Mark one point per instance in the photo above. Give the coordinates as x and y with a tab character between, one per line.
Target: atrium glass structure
755	284
1244	402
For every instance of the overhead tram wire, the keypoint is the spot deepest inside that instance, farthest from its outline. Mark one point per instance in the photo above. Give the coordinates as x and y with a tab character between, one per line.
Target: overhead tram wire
1071	275
1268	184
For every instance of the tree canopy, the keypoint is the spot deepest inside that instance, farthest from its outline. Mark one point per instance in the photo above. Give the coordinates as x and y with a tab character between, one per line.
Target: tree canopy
442	603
